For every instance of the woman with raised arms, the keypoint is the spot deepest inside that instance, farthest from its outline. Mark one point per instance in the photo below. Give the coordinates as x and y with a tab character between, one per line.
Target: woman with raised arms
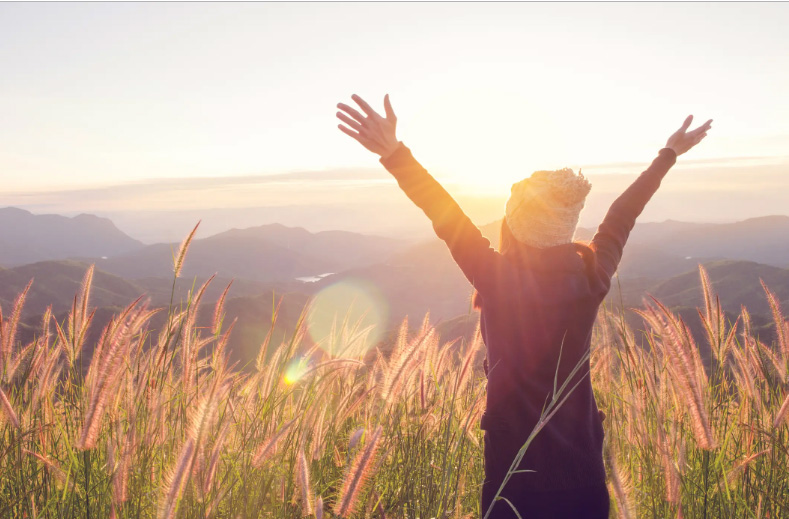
538	297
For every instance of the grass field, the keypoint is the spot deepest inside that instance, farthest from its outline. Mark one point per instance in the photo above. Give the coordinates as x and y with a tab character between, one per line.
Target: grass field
161	426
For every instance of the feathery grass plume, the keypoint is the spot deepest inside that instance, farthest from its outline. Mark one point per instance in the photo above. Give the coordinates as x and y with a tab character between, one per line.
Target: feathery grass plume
782	414
745	378
355	438
8	331
468	360
401	341
15	361
345	411
84	292
734	474
357	476
218	360
202	419
670	471
111	462
260	362
46	377
621	488
40	348
778	364
213	461
425	324
422	389
472	417
8	410
444	360
303	483
177	480
189	350
319	508
781	331
178	259
219	310
52	467
687	372
268	447
78	319
319	435
120	478
400	366
106	367
713	318
750	345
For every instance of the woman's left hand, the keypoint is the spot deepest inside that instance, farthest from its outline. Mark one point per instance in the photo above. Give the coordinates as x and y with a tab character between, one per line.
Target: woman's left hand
682	140
374	132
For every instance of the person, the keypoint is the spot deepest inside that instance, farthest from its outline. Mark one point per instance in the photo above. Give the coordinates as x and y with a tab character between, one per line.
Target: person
538	298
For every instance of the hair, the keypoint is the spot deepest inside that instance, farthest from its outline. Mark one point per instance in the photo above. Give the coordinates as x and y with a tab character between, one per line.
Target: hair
508	243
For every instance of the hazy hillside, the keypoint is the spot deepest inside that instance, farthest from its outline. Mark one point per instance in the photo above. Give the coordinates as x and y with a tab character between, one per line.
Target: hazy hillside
56	282
27	238
267	253
736	282
764	240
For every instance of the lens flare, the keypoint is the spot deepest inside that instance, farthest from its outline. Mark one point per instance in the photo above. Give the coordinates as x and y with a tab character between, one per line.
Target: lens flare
295	370
347	318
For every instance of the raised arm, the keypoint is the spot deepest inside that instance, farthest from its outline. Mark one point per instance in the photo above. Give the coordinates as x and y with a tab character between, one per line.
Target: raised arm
612	234
471	251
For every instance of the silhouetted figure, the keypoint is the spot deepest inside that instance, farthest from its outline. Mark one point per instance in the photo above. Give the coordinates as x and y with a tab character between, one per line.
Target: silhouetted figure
538	296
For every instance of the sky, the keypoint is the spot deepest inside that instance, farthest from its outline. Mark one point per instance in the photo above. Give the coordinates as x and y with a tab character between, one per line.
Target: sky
107	94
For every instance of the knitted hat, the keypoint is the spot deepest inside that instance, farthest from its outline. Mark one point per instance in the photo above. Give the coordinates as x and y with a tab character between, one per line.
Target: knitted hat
543	209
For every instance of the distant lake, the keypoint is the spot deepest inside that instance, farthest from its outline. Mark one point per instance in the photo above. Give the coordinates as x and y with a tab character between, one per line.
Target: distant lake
313	279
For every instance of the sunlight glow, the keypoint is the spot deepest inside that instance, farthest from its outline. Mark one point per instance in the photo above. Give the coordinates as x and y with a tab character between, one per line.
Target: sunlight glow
295	370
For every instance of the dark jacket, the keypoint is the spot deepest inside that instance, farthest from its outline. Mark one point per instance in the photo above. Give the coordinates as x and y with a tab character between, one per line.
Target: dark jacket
536	303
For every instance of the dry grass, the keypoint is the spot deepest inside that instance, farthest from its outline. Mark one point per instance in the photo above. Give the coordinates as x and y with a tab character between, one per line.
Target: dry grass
161	427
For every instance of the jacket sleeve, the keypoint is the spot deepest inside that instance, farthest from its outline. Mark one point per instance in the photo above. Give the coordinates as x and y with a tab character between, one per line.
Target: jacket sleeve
611	236
470	250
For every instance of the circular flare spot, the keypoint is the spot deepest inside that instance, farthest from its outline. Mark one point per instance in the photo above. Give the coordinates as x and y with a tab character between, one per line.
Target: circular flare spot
347	318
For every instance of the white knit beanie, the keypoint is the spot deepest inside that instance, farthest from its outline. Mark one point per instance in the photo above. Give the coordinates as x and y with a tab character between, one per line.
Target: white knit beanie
543	209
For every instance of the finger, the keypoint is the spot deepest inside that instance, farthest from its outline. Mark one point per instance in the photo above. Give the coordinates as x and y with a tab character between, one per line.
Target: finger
350	132
353	113
388	108
686	124
697	139
701	129
350	122
364	106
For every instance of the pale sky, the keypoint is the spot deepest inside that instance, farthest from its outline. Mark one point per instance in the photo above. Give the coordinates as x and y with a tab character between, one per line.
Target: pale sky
99	94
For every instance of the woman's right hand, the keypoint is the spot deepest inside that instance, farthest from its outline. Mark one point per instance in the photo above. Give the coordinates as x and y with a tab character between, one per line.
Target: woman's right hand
374	132
683	140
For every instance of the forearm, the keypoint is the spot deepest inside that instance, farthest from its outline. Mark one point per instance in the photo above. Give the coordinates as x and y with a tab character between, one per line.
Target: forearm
450	223
621	217
630	204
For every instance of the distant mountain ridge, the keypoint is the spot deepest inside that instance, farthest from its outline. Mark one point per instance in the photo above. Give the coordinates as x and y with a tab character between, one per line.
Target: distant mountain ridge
28	238
267	253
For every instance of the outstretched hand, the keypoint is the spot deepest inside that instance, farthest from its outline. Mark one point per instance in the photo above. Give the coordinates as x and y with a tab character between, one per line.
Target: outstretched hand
682	140
374	132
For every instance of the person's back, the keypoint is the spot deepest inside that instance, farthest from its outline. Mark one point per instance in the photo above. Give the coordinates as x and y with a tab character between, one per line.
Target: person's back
539	299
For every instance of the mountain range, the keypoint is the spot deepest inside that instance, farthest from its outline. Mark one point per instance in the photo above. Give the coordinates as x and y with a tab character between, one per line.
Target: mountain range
411	279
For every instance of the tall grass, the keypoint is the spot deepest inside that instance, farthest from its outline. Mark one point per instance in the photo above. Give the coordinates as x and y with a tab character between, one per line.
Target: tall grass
160	425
